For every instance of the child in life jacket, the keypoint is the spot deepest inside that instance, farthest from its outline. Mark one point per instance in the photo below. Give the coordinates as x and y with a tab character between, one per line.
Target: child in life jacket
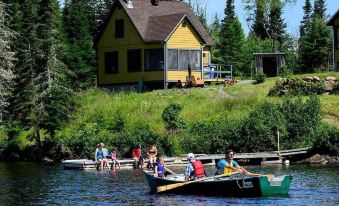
160	168
114	159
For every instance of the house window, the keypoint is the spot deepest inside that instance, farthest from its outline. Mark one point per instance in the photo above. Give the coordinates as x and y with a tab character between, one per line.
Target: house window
180	59
119	28
134	60
111	62
154	59
172	59
336	39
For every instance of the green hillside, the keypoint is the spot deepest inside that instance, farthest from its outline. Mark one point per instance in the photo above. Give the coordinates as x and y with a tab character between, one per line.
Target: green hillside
123	119
213	118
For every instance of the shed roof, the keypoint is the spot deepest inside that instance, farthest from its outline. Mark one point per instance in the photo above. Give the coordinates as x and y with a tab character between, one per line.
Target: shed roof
156	23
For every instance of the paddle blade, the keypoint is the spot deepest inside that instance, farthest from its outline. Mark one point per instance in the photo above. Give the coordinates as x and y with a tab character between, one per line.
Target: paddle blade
169	187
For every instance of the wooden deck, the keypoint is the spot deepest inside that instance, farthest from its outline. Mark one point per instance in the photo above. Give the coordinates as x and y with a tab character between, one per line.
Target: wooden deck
275	157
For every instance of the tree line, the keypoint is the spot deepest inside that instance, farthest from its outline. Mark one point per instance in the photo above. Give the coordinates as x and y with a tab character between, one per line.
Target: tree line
47	55
311	51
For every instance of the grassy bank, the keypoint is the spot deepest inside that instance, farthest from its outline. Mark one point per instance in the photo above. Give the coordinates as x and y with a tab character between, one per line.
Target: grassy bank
215	117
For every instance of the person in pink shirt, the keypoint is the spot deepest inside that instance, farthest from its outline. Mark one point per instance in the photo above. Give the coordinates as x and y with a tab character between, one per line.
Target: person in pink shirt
114	159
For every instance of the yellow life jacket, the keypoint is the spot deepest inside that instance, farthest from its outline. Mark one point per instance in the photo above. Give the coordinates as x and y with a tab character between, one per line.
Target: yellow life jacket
228	171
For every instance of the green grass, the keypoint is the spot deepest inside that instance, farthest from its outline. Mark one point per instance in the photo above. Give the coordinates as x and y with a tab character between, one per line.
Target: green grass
213	102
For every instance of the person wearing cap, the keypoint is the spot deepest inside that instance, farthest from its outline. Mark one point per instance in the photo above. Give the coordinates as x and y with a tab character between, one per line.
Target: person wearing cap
194	169
228	165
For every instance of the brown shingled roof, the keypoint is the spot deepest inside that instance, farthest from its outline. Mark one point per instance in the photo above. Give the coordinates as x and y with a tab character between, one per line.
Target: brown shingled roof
156	23
330	22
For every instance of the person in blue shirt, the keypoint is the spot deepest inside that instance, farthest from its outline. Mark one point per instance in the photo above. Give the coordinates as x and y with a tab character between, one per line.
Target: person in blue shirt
228	165
100	156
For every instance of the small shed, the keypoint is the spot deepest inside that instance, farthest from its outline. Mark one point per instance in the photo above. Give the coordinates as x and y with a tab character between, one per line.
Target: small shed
269	63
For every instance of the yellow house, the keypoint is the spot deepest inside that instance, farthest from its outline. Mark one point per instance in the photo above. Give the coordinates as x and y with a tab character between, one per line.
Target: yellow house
150	43
334	22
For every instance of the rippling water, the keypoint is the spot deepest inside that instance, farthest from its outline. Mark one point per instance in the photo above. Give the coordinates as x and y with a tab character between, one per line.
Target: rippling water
34	184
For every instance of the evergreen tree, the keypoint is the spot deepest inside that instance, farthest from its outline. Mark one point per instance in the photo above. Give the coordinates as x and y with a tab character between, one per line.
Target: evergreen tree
304	24
51	96
315	50
320	9
260	24
98	11
26	46
215	29
79	55
200	11
276	25
6	59
232	37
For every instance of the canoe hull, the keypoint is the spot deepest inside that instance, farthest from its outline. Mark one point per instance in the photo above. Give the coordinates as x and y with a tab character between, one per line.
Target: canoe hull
235	187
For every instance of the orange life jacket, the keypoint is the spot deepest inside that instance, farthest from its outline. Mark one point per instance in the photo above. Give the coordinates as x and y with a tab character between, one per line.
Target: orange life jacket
199	170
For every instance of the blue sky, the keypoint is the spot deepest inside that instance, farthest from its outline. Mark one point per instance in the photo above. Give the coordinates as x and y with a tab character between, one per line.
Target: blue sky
292	13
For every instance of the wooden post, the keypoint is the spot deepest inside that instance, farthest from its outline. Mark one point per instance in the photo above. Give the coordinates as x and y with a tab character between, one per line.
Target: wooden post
278	136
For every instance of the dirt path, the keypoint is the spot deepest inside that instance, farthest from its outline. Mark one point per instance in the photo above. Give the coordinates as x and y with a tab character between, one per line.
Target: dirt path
223	94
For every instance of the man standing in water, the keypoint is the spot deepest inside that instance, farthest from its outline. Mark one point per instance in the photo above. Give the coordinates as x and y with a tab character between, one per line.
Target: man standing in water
228	165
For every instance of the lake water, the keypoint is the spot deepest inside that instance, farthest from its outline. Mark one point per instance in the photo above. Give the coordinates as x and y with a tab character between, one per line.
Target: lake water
34	184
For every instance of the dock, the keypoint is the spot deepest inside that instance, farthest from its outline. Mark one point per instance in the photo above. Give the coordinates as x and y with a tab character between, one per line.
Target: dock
274	157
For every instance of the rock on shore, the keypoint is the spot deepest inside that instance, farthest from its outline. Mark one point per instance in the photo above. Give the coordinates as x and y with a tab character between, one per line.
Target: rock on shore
320	159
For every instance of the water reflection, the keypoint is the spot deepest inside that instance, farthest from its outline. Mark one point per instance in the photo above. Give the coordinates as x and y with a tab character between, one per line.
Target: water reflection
34	184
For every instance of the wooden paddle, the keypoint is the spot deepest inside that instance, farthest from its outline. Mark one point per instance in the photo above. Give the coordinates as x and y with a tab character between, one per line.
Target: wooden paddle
270	176
180	184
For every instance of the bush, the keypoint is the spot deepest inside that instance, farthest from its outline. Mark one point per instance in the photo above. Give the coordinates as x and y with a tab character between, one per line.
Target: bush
285	72
297	87
259	78
327	141
170	117
336	89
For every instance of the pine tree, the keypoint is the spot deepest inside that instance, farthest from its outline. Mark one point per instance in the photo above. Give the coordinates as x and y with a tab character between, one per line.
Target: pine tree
26	47
215	29
304	24
6	59
99	10
199	10
260	24
52	97
315	50
276	25
79	31
232	37
320	8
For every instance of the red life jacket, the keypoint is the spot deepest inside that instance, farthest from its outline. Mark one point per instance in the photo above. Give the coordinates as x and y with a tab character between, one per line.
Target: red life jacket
199	170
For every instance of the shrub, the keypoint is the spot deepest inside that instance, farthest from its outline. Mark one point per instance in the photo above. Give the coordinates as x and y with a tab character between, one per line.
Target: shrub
336	89
285	72
259	78
327	140
170	117
297	87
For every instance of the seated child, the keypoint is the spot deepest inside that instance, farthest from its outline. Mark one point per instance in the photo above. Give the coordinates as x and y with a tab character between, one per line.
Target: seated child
160	168
114	159
137	157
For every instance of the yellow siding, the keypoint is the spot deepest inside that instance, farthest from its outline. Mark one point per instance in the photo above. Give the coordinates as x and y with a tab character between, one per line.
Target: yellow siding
181	75
206	56
131	35
336	21
123	76
131	40
185	37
